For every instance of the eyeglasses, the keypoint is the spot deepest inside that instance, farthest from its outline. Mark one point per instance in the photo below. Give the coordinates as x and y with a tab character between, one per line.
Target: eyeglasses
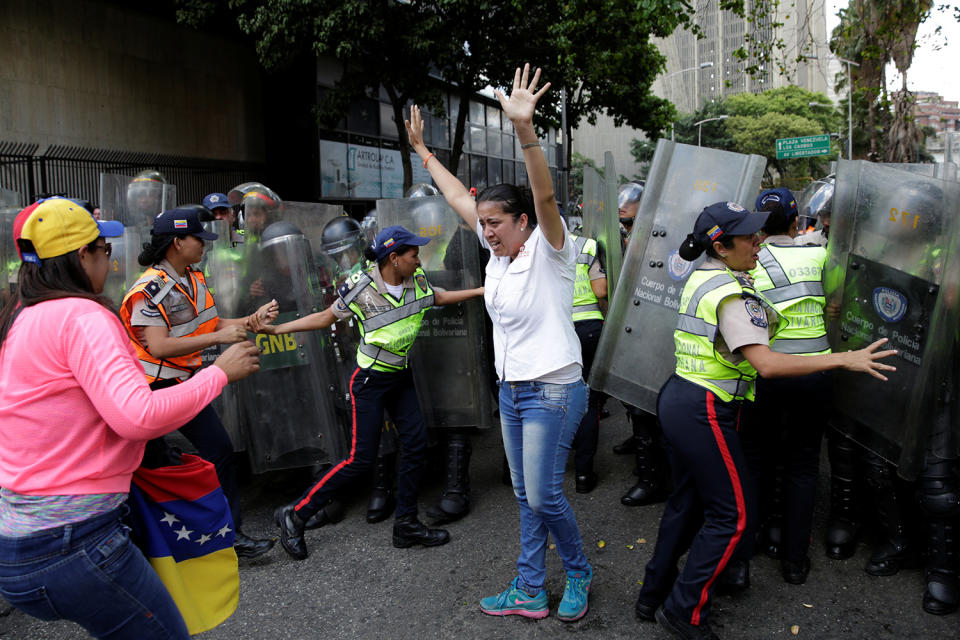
107	248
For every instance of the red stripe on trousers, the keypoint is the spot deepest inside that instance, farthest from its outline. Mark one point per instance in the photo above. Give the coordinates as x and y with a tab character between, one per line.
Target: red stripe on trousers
738	494
345	461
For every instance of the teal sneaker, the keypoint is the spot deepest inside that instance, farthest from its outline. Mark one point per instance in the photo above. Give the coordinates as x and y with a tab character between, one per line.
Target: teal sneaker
516	602
574	604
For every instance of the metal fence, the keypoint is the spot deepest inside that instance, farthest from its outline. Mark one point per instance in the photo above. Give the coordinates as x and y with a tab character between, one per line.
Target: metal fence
75	171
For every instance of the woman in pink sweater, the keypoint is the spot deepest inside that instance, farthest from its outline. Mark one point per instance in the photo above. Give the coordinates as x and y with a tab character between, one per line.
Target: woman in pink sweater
75	412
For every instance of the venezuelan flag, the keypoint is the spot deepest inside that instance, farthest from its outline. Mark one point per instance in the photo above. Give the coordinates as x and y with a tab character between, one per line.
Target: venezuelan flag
181	521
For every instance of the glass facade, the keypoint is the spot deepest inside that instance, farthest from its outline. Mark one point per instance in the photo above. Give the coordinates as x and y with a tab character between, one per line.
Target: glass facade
361	152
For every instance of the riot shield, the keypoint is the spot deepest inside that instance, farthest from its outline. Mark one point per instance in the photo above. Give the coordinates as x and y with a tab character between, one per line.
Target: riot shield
288	405
224	267
892	268
9	258
344	336
942	170
601	220
450	356
135	204
636	352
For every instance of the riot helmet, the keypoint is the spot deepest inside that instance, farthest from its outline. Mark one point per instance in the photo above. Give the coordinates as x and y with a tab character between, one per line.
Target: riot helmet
421	190
816	202
628	201
369	226
343	241
284	250
258	205
145	195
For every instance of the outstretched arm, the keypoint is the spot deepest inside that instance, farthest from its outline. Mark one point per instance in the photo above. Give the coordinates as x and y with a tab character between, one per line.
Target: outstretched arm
771	364
312	322
457	195
441	298
519	107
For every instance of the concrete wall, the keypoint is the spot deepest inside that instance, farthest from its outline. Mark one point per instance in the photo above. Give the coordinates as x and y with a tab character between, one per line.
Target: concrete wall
90	74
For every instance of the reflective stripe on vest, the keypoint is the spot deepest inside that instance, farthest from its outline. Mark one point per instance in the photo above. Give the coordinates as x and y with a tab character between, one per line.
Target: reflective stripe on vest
157	371
387	336
204	321
586	305
790	277
695	337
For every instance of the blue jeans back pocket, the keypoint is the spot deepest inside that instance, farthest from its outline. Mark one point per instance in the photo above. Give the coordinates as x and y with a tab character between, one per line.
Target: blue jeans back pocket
33	602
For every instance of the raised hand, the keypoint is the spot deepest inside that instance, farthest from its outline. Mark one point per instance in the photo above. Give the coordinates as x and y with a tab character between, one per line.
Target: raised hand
519	107
414	127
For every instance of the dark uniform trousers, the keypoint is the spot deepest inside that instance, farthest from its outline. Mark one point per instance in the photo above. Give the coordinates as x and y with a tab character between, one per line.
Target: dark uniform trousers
207	433
371	392
711	508
585	442
783	434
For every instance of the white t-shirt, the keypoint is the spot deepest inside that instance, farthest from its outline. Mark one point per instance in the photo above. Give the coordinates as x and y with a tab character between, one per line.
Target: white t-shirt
530	301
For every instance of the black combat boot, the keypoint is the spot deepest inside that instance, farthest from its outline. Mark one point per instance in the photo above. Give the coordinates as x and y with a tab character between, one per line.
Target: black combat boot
896	550
843	523
939	497
382	502
408	531
455	499
250	548
291	532
630	445
651	474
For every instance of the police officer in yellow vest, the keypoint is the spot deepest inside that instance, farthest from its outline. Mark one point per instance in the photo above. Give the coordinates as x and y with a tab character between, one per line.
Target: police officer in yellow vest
389	300
171	317
790	414
722	342
589	287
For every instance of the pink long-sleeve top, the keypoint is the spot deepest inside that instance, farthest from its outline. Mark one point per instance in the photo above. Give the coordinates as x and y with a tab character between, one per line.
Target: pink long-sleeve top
75	408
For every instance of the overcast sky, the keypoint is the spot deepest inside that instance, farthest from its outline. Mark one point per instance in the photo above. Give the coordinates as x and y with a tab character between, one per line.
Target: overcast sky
934	63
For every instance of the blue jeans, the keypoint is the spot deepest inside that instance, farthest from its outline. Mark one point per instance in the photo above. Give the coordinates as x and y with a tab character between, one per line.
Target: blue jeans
539	421
89	572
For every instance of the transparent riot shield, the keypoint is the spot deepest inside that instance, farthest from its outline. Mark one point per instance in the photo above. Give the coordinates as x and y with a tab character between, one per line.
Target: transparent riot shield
224	267
288	404
636	352
332	270
9	258
135	204
601	220
892	269
942	170
450	356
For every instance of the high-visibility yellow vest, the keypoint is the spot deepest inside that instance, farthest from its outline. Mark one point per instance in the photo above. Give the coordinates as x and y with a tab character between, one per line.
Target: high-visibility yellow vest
695	337
586	306
791	279
198	318
388	326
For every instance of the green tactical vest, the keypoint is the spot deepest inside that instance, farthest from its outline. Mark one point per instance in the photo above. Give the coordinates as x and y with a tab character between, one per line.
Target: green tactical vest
697	358
586	306
388	326
790	278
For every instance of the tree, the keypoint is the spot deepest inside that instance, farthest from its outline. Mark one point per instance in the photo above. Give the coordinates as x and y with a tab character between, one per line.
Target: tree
873	33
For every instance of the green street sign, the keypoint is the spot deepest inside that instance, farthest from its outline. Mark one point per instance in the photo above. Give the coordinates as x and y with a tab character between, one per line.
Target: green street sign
803	147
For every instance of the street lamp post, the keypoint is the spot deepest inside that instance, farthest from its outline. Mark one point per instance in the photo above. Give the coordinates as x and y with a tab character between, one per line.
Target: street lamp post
702	65
837	134
699	125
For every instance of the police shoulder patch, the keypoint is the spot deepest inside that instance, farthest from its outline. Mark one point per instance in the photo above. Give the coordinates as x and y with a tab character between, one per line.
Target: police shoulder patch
344	289
421	281
756	313
150	311
153	287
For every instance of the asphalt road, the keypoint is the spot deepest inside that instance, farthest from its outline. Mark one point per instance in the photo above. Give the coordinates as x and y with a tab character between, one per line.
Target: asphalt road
356	585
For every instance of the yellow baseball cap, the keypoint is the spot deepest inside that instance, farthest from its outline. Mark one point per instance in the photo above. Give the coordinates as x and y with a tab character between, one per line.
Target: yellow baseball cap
56	226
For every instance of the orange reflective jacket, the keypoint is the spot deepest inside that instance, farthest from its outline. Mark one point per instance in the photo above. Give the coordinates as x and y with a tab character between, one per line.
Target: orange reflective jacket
184	314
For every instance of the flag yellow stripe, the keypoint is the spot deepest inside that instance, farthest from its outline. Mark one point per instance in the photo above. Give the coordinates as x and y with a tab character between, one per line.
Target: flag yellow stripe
205	589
